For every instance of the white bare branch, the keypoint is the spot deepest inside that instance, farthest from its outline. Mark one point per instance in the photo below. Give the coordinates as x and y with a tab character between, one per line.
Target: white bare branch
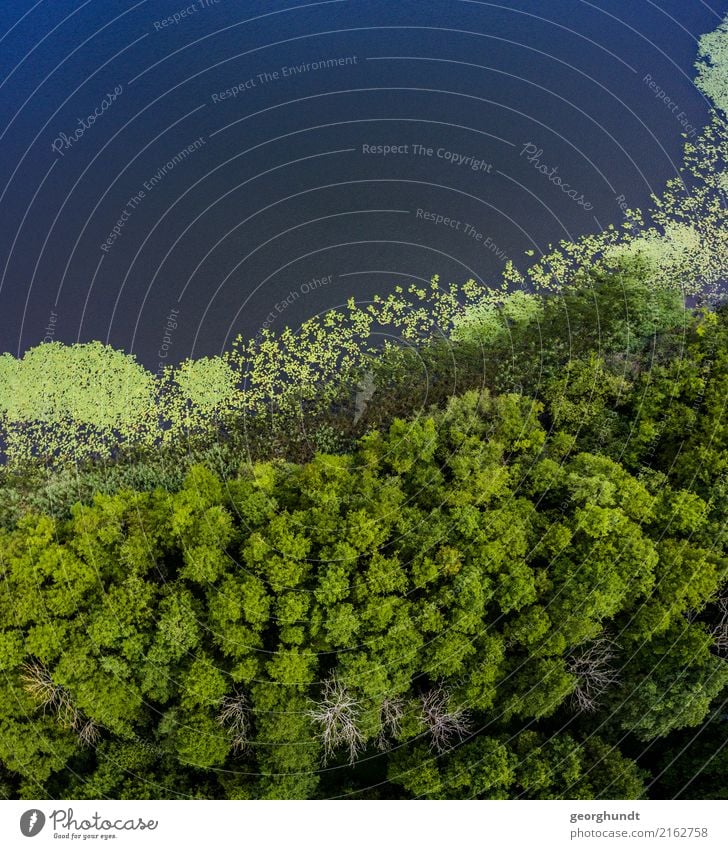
337	715
390	717
592	666
445	724
235	717
37	681
719	631
88	733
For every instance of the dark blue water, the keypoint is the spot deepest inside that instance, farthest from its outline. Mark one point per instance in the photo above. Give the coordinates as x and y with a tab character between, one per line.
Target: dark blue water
269	197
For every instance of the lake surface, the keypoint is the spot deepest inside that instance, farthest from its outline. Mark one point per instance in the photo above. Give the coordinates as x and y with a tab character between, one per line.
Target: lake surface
178	174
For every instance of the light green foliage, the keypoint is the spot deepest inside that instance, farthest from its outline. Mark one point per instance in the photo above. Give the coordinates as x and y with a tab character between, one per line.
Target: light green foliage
445	575
198	396
712	66
74	402
491	319
671	683
203	527
527	765
670	255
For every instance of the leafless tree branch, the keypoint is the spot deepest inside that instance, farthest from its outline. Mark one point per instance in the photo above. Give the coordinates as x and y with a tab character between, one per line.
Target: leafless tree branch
592	666
720	631
235	717
38	682
444	723
390	717
337	715
89	733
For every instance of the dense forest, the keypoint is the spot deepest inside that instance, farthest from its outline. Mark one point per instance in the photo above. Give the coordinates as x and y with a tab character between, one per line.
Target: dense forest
489	560
509	594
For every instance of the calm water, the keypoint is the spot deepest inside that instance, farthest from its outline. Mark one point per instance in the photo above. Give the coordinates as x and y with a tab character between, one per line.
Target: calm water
227	160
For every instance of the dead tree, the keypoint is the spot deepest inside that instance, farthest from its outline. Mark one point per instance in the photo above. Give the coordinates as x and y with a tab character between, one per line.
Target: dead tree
234	716
390	718
38	683
591	665
337	716
88	733
720	631
445	724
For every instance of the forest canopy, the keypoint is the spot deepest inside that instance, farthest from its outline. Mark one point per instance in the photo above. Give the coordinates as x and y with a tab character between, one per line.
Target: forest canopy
508	595
489	561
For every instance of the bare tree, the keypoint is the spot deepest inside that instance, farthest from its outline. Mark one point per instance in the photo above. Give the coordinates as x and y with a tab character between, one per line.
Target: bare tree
390	717
592	666
720	631
444	723
50	696
68	715
38	682
235	717
337	715
88	733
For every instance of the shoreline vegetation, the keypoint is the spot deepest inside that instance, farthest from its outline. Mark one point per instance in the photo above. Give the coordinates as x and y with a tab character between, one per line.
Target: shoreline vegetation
490	561
70	404
514	595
